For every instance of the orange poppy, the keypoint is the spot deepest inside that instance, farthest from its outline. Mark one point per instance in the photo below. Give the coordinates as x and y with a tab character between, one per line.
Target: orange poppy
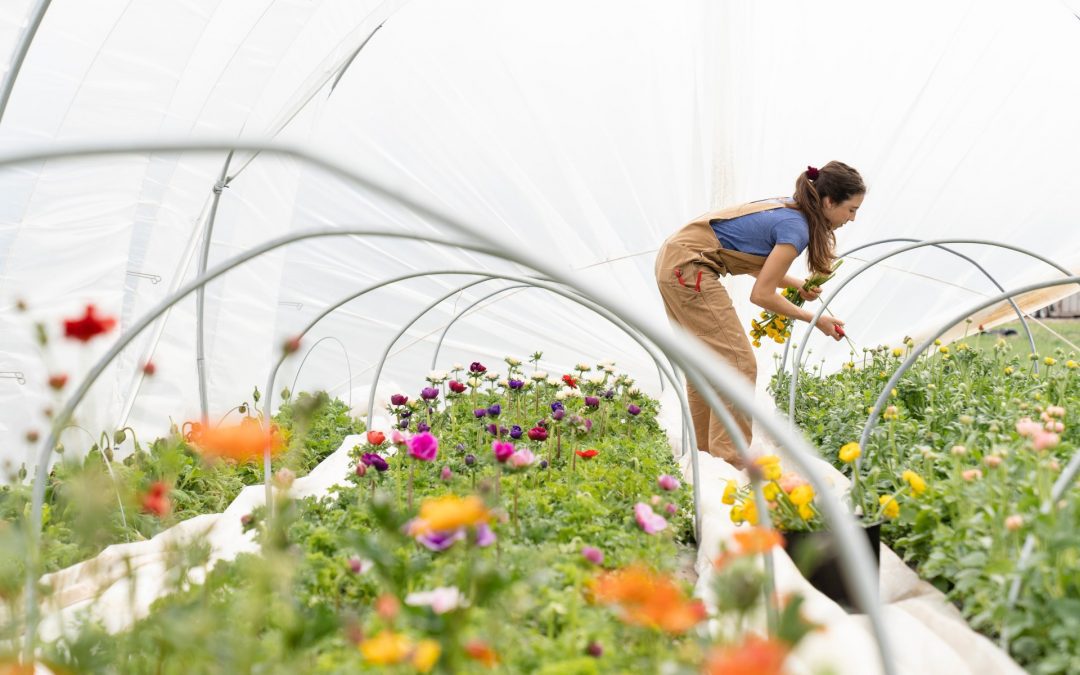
751	541
755	656
242	442
646	598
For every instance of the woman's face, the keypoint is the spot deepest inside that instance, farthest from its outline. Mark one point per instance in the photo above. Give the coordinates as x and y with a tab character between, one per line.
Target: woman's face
844	212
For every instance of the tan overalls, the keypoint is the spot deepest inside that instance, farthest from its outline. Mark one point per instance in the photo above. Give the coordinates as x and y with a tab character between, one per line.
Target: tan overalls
688	267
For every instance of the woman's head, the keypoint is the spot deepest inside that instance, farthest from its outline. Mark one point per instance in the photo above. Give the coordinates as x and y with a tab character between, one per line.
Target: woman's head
829	197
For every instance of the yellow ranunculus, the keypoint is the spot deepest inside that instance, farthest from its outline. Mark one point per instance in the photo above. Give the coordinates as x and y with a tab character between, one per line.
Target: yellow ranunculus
850	452
918	485
426	655
750	512
944	349
439	514
892	508
1049	360
897	351
1072	365
805	512
1008	370
385	649
770	466
729	492
737	515
770	490
802	495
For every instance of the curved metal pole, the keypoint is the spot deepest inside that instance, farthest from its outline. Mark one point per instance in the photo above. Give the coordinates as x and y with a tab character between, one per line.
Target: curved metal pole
200	293
825	303
1019	314
705	369
21	50
348	366
462	313
915	353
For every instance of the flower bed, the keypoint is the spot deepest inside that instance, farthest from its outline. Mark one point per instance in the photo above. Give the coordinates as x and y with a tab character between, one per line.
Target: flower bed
963	460
162	484
528	525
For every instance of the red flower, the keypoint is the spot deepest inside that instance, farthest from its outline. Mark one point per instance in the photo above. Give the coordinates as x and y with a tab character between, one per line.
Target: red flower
58	381
376	437
481	651
812	173
156	500
570	381
149	368
86	327
456	387
538	434
587	454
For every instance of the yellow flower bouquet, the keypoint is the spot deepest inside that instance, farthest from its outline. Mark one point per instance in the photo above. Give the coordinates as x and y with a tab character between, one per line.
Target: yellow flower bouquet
777	326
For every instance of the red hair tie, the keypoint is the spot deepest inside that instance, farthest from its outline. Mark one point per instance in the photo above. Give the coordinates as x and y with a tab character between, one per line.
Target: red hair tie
812	172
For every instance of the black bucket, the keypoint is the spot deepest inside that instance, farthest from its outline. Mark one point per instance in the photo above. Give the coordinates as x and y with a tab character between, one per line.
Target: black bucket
816	555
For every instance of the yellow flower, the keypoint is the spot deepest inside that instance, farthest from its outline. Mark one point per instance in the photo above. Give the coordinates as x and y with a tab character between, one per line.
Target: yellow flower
850	452
426	655
805	512
802	495
1049	360
897	351
1008	370
386	648
756	343
918	485
1072	365
891	413
449	513
937	342
893	392
750	512
849	365
962	347
944	349
892	509
770	490
737	515
729	492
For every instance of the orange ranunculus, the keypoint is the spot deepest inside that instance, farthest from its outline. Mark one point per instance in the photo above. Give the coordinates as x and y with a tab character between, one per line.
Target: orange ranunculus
478	650
755	656
440	514
376	437
646	598
242	442
750	541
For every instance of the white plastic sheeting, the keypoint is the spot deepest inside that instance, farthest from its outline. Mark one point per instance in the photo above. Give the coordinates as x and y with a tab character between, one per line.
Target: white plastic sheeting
583	132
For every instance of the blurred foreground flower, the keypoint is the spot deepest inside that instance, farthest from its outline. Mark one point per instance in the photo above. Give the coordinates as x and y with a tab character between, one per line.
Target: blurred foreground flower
156	500
88	326
648	520
646	598
441	514
755	656
245	441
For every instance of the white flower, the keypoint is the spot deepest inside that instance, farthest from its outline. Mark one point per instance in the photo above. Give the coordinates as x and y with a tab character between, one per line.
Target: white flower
633	391
596	379
554	381
458	366
491	377
609	368
606	363
539	375
475	382
583	367
560	396
511	361
504	383
569	392
437	375
441	600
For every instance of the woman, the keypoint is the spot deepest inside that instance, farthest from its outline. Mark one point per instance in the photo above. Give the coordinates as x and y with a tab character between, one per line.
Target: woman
761	239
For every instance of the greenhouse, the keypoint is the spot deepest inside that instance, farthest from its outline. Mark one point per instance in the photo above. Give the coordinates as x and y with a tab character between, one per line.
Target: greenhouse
572	337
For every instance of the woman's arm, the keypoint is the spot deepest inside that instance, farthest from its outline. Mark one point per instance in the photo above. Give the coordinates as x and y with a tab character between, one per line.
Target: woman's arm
771	277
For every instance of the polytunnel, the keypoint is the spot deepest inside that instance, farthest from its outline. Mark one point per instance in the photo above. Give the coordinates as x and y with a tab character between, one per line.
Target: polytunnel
511	169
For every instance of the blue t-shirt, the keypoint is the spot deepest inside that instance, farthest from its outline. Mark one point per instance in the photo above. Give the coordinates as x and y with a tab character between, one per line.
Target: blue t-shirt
758	233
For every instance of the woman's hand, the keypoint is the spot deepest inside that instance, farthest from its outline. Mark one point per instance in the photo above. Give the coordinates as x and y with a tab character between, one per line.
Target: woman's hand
831	326
812	294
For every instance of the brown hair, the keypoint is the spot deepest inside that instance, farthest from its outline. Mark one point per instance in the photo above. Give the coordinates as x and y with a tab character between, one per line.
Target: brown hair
837	181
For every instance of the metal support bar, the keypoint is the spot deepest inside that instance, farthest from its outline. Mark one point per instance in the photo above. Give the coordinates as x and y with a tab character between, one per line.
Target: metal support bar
348	367
200	292
21	49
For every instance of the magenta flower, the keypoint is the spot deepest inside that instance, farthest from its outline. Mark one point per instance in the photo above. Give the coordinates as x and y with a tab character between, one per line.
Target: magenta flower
375	461
447	474
521	458
456	387
647	519
668	483
477	367
356	565
440	541
429	393
672	509
633	410
399	399
502	450
592	401
593	555
424	447
538	434
485	536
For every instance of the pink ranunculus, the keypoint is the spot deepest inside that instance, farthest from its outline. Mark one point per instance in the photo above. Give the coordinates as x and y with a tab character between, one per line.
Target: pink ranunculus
593	555
521	458
992	461
667	482
649	521
1055	411
1014	522
791	480
671	508
1045	439
971	474
424	447
1026	427
398	438
502	450
1055	426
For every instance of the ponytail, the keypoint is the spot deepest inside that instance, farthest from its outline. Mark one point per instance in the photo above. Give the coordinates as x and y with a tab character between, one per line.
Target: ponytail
837	181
